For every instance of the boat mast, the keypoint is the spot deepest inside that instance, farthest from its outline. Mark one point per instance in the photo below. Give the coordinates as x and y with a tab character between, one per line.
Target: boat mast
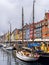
33	19
10	32
22	24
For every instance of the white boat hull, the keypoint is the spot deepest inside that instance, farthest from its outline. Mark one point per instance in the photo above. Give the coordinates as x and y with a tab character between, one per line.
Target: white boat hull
25	58
9	48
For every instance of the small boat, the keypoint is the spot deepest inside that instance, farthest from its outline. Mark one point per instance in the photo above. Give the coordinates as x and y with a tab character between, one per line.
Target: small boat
27	56
4	45
9	48
1	45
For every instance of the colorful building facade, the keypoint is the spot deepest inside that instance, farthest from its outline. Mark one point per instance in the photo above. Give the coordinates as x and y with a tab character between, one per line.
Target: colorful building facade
45	26
38	28
41	30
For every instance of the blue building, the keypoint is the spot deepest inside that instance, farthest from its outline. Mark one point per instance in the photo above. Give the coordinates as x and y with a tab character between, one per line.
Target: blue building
27	32
27	36
38	30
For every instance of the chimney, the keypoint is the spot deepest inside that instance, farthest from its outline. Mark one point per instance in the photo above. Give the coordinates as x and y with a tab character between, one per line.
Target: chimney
47	15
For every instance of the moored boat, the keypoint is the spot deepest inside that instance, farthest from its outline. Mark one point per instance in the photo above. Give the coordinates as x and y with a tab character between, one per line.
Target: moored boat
27	55
9	48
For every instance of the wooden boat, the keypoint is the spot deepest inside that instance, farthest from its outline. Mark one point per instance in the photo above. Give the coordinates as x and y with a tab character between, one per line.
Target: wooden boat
27	55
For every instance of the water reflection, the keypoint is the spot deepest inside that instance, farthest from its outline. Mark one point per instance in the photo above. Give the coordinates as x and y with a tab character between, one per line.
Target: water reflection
10	59
26	63
3	58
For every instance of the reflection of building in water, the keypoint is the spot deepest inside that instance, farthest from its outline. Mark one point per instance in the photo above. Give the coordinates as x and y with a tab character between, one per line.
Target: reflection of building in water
8	59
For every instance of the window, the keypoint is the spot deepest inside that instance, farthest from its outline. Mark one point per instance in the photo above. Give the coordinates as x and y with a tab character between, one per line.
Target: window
48	21
48	26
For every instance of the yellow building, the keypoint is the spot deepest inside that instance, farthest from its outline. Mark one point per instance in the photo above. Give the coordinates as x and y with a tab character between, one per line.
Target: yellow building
12	37
20	35
16	36
7	36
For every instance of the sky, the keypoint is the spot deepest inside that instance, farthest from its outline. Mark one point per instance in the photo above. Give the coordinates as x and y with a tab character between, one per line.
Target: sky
11	12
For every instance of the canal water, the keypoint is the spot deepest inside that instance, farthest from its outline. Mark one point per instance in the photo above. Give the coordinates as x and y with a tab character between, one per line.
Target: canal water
9	59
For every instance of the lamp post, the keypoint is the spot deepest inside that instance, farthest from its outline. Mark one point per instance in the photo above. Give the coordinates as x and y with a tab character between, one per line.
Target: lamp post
33	18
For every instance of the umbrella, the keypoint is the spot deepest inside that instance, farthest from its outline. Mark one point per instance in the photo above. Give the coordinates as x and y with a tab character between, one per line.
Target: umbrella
33	45
36	44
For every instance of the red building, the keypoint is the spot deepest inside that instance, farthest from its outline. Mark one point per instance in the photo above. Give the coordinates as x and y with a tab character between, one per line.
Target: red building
31	31
41	28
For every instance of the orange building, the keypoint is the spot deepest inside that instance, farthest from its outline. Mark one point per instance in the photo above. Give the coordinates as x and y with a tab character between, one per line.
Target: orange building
45	26
41	28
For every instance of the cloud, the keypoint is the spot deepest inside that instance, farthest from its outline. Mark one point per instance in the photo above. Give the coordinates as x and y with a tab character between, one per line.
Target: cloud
41	6
11	10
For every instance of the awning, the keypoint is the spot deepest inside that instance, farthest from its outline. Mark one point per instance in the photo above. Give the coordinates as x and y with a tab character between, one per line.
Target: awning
30	45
